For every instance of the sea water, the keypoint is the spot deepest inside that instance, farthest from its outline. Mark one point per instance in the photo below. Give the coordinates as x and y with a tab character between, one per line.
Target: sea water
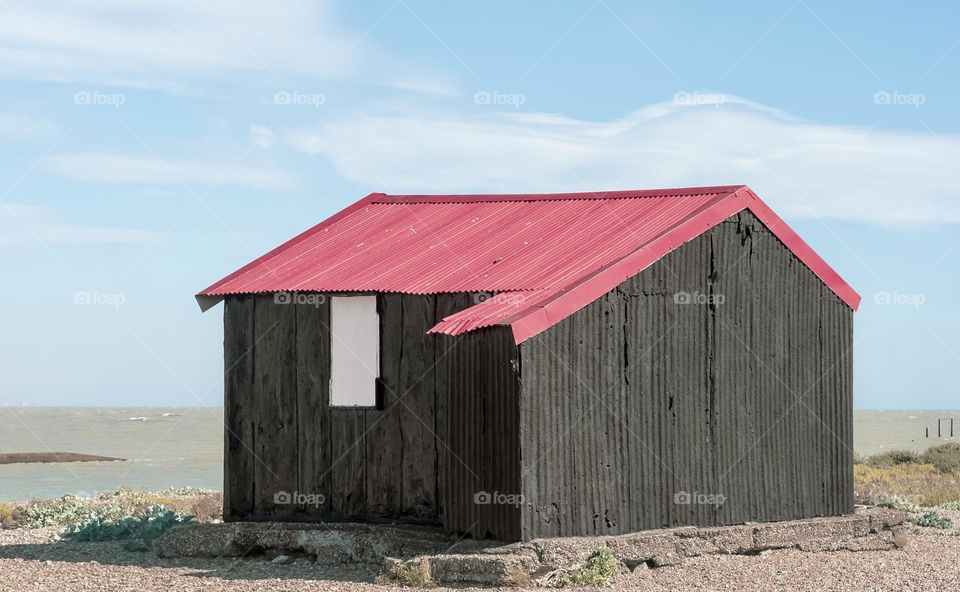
164	447
183	447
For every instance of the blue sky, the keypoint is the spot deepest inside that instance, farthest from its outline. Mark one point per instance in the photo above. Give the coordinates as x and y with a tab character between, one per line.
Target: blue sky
150	148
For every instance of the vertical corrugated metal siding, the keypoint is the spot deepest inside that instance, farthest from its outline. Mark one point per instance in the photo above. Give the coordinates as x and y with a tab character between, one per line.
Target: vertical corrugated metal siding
635	398
483	453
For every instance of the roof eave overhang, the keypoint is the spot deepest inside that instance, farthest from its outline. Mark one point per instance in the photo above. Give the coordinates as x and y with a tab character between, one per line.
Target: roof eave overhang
208	298
207	302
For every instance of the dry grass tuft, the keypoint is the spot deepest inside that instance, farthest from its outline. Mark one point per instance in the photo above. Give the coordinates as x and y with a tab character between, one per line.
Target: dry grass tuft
519	578
900	539
945	458
7	515
922	484
207	507
415	574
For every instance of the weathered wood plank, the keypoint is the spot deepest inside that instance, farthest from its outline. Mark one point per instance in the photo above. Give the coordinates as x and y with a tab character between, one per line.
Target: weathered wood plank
313	394
417	399
276	468
383	441
238	407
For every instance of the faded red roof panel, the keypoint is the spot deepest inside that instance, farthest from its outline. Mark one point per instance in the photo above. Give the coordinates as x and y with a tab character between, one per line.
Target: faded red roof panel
546	255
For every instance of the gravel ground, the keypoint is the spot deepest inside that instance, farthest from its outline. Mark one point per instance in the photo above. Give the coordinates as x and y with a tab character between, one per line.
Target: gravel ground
33	560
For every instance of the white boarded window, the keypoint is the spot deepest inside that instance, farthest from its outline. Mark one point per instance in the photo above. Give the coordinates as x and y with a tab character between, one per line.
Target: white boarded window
354	351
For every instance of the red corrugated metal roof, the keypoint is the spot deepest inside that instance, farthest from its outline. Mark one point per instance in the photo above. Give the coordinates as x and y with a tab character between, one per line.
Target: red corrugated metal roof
546	255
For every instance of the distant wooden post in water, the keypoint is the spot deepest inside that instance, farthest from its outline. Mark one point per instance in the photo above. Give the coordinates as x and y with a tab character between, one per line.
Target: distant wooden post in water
940	427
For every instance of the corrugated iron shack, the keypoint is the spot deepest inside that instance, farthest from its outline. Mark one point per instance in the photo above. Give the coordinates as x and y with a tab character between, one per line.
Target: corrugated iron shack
519	366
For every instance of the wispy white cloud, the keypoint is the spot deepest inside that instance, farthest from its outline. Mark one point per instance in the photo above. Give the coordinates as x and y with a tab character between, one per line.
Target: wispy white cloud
26	127
261	136
22	223
187	46
803	169
111	168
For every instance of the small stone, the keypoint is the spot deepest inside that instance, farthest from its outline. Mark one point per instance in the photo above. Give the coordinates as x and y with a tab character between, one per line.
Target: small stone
282	560
390	564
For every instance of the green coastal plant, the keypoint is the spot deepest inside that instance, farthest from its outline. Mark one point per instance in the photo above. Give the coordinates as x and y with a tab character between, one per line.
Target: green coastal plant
933	519
898	502
148	527
598	570
65	511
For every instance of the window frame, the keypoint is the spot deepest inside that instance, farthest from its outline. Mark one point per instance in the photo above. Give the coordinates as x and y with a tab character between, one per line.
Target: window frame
378	392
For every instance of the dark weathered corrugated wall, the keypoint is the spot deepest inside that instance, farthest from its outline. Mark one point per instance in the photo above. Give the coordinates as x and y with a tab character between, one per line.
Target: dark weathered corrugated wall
481	465
722	370
368	464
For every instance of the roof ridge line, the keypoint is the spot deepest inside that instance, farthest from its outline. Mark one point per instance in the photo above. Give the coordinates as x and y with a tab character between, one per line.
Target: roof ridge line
721	190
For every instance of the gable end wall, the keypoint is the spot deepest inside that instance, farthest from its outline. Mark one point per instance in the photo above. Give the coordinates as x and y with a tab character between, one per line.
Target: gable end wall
719	376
